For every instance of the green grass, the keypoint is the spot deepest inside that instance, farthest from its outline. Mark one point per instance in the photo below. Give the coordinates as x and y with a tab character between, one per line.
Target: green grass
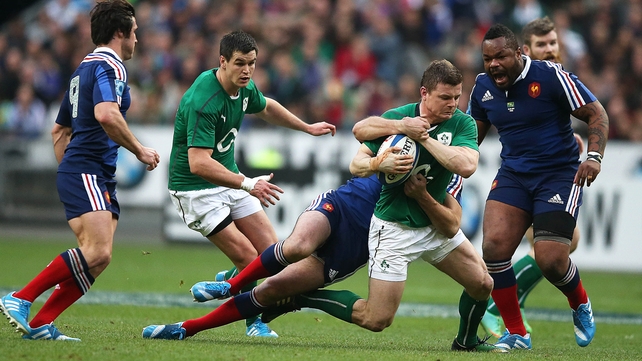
112	332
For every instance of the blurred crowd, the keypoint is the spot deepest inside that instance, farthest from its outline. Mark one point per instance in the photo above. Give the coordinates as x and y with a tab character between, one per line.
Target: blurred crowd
331	60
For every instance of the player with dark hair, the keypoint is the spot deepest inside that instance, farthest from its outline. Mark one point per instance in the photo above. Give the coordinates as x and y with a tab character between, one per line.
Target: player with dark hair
540	43
540	179
210	194
89	129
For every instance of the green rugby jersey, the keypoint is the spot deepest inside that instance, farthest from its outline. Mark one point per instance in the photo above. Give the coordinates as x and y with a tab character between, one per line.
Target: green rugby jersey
208	117
394	205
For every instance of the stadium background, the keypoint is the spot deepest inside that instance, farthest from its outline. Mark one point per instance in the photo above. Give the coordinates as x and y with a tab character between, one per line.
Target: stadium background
337	61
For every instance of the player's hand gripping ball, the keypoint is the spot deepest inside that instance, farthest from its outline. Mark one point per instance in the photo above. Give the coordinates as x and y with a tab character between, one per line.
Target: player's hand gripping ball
408	146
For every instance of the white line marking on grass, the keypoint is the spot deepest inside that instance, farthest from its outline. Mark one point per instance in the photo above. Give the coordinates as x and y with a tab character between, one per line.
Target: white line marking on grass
94	297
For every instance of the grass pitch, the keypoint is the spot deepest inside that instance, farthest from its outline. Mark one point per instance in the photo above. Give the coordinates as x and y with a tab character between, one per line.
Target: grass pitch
145	284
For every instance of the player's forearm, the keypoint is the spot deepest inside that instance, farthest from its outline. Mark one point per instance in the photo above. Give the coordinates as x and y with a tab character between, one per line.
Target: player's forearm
361	165
214	172
445	220
118	131
459	160
598	125
374	127
277	114
60	136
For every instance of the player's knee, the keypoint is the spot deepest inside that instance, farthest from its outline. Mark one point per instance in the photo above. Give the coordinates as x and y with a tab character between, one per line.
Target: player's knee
554	226
296	249
481	289
377	324
271	290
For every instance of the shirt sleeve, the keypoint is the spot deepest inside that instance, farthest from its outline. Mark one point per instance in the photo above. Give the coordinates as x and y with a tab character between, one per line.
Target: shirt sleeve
64	113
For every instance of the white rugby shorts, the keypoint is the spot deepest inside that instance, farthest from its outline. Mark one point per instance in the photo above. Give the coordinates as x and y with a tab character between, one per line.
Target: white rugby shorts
393	246
204	209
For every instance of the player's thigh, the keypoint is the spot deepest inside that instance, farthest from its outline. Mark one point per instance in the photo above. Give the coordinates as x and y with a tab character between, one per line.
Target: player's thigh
466	267
95	234
503	228
258	230
300	277
235	245
310	232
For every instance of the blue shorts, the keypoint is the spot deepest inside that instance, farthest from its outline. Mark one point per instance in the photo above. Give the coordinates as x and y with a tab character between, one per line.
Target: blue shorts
84	193
538	193
346	249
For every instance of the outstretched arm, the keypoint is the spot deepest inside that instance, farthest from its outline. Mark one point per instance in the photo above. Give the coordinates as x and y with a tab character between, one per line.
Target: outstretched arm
277	114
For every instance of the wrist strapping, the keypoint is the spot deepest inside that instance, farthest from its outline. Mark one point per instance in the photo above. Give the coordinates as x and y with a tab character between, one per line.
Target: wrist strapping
594	156
248	183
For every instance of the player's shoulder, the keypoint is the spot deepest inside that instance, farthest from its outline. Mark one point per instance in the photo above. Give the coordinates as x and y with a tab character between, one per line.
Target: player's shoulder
408	110
483	82
461	117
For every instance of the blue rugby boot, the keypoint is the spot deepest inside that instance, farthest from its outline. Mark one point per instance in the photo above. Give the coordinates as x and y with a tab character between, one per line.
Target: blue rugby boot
48	332
17	312
584	324
207	291
174	331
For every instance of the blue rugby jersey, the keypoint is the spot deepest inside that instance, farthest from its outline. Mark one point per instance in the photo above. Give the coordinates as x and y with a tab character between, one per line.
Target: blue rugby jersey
100	77
533	116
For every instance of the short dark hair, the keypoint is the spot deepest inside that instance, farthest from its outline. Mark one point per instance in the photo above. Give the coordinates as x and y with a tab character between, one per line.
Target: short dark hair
441	72
502	31
237	41
537	27
109	17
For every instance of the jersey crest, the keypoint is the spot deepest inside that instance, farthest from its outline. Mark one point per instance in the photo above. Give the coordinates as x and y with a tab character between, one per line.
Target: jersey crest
534	89
445	138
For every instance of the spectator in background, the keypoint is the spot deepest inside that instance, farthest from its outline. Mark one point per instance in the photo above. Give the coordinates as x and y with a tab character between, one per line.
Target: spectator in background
26	118
611	31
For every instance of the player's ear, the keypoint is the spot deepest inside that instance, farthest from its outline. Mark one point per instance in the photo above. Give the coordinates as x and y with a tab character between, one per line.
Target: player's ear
223	62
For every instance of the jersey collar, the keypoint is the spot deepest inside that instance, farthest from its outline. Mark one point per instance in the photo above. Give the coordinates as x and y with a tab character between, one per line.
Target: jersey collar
104	49
527	66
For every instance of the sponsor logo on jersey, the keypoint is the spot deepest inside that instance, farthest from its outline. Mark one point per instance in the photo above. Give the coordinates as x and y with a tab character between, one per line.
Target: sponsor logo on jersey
328	207
245	103
445	138
556	199
510	106
487	96
534	89
120	87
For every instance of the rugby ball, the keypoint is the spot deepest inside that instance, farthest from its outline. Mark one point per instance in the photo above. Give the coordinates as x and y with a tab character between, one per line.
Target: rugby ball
408	146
